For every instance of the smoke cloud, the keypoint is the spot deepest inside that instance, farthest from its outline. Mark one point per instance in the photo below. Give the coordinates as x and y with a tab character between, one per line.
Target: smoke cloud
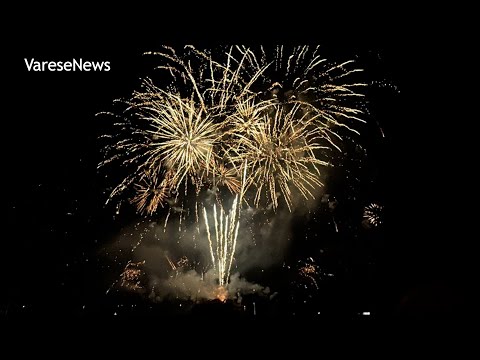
178	263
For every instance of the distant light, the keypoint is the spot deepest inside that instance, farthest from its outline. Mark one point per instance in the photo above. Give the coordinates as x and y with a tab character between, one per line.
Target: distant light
366	313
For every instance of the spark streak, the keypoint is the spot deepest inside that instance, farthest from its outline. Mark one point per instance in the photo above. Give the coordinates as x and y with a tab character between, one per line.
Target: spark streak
226	233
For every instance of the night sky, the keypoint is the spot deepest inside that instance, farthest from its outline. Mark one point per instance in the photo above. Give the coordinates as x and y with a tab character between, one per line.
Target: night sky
58	227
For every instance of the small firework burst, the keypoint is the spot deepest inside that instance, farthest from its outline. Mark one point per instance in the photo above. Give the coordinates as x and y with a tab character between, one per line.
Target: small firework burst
309	270
151	192
131	275
373	215
227	177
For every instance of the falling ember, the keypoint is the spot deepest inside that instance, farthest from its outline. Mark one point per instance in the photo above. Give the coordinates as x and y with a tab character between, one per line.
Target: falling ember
336	226
226	232
170	262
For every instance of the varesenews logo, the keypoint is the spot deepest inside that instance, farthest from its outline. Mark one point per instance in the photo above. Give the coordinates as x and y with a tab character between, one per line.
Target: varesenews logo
74	65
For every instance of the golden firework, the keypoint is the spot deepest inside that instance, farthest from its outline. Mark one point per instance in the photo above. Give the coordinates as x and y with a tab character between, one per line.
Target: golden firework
373	215
151	191
309	270
131	275
223	248
182	135
228	177
280	155
276	109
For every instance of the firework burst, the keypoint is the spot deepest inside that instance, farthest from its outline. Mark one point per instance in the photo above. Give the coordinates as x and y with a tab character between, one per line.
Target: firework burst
373	215
280	154
181	134
151	192
276	110
309	270
131	275
228	177
301	75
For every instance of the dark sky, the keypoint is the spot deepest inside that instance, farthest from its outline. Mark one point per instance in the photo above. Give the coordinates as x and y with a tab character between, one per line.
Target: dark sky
54	196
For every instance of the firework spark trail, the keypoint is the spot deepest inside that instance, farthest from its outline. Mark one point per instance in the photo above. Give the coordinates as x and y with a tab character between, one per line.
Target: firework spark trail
226	233
336	226
170	262
209	237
